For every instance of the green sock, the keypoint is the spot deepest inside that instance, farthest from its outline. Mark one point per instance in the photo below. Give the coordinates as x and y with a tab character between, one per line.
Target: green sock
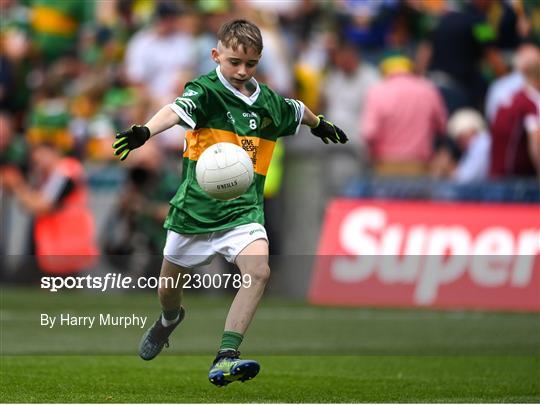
231	340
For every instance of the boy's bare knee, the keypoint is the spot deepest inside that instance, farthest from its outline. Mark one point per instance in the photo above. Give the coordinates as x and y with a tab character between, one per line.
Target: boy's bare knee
260	273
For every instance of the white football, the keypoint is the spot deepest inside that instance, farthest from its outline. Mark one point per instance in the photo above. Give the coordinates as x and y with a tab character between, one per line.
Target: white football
224	171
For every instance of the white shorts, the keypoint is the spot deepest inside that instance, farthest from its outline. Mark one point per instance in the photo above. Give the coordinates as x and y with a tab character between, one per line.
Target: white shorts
193	250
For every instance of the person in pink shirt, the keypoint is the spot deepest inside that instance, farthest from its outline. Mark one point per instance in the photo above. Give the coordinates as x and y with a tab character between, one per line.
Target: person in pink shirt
402	115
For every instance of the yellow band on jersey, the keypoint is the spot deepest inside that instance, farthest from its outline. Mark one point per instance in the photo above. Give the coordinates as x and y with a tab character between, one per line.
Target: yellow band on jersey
259	149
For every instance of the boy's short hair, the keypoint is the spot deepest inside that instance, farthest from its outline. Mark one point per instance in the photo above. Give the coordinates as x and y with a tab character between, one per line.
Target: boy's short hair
234	33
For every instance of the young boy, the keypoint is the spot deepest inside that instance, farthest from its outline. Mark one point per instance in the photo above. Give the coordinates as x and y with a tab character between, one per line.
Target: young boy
225	105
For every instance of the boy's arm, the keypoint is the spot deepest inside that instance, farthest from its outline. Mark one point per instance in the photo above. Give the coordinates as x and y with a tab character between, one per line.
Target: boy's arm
309	119
137	135
322	128
162	120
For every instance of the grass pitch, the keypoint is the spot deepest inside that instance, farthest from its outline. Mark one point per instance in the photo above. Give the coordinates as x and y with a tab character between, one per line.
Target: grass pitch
307	354
309	379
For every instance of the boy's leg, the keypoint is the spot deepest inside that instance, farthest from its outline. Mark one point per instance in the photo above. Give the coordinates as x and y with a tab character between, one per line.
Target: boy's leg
170	297
170	287
253	260
227	367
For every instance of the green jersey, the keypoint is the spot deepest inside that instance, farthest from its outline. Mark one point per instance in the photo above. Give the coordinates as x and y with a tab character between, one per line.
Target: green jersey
216	112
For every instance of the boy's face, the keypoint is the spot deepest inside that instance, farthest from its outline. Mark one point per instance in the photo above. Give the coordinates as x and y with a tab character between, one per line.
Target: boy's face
237	66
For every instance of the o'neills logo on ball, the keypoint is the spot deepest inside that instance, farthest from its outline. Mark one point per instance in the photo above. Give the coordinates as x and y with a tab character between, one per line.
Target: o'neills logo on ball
227	185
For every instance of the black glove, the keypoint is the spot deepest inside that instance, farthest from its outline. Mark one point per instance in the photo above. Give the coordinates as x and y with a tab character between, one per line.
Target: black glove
131	139
328	131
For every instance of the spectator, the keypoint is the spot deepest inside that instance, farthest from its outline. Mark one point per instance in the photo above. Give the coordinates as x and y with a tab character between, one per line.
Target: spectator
206	38
401	116
367	23
49	118
13	154
529	28
55	26
13	148
516	128
446	156
507	20
15	47
159	60
468	129
502	91
275	68
454	52
299	23
91	125
63	229
345	87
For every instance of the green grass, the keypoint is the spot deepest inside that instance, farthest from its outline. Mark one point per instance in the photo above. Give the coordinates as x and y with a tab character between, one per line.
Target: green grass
307	354
282	379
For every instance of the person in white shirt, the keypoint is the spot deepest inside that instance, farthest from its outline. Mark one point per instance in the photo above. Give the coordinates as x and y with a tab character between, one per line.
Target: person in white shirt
345	87
468	128
153	60
160	60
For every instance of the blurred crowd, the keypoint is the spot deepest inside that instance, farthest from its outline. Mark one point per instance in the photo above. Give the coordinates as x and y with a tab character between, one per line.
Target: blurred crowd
443	88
